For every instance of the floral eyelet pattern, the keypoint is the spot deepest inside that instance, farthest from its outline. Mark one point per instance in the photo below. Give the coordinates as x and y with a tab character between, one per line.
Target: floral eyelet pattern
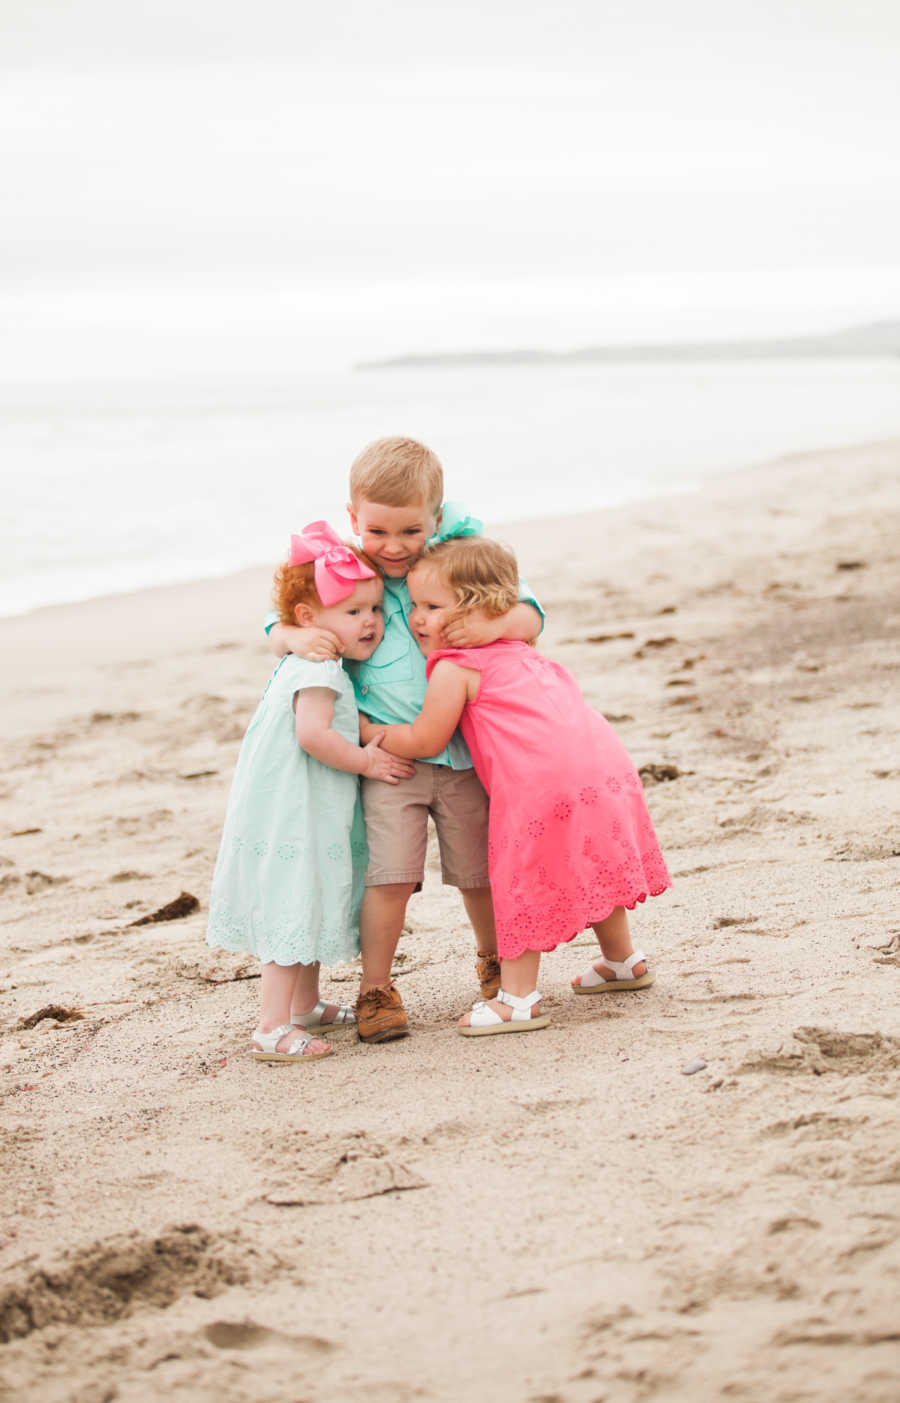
546	900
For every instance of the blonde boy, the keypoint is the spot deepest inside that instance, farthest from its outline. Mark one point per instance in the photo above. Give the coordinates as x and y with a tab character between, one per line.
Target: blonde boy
396	490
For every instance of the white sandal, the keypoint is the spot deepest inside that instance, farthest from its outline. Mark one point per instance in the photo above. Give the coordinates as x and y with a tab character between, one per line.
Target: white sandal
265	1046
344	1018
594	983
485	1021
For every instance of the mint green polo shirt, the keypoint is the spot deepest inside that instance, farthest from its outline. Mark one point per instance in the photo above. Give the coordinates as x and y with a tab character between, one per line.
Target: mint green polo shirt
390	687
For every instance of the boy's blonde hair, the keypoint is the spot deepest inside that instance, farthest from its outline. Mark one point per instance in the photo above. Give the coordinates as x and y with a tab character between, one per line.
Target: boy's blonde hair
397	472
482	574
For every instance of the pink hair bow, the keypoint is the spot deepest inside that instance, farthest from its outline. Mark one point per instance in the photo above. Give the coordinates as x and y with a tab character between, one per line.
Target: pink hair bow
338	571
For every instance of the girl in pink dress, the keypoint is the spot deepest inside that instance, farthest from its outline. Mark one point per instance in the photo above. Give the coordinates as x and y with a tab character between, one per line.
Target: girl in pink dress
571	841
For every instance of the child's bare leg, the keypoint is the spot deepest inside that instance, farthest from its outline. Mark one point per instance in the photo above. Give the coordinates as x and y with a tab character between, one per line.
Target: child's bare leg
380	928
479	906
518	977
306	994
278	983
615	943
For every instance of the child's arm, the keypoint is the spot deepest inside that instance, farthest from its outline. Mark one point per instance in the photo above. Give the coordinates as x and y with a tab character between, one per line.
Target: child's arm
317	645
314	711
449	688
474	629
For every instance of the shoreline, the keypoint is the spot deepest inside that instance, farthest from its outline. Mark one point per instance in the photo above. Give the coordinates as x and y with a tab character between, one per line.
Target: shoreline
694	480
573	1215
874	340
711	478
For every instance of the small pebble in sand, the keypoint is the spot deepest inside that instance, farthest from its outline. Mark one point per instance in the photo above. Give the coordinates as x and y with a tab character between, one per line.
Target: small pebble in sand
696	1064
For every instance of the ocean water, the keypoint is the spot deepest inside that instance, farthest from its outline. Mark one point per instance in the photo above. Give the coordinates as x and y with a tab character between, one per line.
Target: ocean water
111	486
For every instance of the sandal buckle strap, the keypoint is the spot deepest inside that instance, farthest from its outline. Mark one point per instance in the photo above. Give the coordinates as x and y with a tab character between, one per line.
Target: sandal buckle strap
269	1041
521	1007
624	969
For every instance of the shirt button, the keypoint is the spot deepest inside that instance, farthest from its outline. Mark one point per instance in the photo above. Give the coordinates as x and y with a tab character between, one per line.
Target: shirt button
364	689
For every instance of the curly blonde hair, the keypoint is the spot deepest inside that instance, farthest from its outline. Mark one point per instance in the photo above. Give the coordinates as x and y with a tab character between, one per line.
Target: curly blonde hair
482	573
296	584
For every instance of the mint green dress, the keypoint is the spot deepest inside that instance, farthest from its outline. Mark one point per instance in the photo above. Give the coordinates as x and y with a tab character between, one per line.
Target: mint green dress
288	880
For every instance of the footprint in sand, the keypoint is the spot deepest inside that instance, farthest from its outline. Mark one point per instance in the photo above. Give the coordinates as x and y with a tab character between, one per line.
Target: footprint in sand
357	1168
783	1225
117	718
118	1275
816	1125
246	1334
877	851
202	702
889	953
446	1131
132	826
654	644
822	1050
39	881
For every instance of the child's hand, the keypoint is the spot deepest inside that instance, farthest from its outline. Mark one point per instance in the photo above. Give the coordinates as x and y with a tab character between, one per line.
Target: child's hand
317	645
472	630
368	730
380	765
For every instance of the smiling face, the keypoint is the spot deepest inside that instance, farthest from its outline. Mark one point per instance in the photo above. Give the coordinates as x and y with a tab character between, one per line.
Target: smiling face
393	537
434	600
358	620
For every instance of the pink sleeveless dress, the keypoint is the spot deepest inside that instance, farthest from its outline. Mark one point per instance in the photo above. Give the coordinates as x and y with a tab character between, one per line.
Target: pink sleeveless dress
570	835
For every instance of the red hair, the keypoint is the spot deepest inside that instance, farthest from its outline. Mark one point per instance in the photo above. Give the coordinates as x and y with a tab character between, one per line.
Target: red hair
296	584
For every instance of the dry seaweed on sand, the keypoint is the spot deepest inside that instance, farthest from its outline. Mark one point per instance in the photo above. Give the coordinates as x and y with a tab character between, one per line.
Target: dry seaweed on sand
657	773
183	905
57	1011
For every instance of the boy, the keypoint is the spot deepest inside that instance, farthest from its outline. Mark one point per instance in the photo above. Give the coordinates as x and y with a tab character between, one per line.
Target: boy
396	490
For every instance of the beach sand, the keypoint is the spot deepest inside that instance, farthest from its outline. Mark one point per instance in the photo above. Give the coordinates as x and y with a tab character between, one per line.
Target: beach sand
567	1217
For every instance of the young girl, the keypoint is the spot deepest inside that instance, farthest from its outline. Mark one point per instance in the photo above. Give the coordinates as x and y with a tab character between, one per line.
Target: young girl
571	842
288	880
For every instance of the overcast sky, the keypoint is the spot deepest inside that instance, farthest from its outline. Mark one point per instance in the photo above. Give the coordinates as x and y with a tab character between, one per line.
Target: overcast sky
350	164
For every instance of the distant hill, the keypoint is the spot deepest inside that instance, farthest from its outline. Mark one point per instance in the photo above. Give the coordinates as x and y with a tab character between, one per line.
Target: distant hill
874	339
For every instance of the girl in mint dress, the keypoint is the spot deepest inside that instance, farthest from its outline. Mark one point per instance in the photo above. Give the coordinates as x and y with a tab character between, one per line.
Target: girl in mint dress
288	880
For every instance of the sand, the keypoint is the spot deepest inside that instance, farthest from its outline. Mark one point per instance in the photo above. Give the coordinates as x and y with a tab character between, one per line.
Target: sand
566	1217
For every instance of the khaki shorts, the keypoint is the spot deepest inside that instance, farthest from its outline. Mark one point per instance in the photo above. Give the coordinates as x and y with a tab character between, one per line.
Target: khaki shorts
397	826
